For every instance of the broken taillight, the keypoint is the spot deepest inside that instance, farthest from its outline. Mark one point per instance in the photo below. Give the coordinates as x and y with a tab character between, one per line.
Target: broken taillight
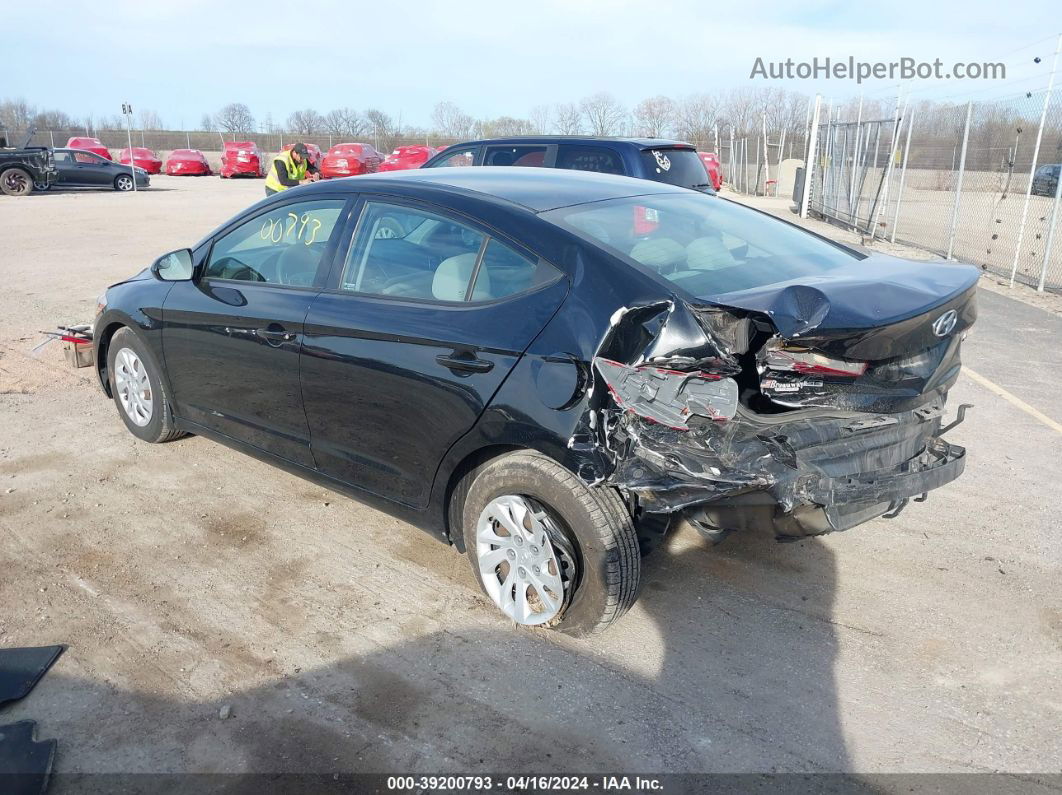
808	362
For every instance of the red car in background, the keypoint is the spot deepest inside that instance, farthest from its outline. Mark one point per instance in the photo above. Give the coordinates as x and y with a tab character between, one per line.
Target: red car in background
313	150
243	158
407	157
89	145
348	160
713	167
142	158
187	163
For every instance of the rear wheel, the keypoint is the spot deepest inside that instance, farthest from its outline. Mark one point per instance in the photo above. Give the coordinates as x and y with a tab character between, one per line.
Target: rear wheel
16	182
548	550
138	391
123	182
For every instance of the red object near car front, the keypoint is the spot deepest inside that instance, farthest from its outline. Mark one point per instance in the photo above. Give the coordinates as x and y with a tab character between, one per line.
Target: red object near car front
407	157
713	167
348	160
89	145
187	163
243	158
142	158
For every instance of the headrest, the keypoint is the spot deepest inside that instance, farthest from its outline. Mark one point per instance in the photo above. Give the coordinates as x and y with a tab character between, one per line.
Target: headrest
451	279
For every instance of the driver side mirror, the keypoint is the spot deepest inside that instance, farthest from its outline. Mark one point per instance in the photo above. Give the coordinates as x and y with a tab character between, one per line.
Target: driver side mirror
174	267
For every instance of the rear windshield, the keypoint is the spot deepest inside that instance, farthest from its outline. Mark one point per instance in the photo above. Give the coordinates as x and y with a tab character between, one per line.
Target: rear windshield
675	167
706	245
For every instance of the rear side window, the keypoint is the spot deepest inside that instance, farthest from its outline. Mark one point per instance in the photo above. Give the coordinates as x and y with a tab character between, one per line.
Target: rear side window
406	252
589	158
675	167
534	156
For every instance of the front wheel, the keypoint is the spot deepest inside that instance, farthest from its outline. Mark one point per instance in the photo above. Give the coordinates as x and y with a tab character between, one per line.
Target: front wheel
138	391
547	549
123	182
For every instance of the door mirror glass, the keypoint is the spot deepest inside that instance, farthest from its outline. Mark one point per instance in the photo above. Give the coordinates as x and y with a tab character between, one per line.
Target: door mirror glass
174	267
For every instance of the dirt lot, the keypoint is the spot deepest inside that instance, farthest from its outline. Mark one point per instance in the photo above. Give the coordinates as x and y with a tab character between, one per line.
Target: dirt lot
185	577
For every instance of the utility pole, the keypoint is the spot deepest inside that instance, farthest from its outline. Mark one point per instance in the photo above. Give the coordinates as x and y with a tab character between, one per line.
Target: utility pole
127	111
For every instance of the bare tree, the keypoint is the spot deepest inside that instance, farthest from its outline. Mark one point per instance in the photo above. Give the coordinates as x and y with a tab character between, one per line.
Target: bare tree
654	117
568	119
603	114
207	122
305	122
503	126
341	121
235	117
150	120
696	117
450	121
541	117
53	120
383	129
16	114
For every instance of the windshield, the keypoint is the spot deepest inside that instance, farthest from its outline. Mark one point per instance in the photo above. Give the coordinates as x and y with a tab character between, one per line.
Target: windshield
706	245
675	167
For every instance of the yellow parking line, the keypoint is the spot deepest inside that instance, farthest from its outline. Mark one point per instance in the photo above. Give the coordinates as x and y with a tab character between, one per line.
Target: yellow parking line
1007	396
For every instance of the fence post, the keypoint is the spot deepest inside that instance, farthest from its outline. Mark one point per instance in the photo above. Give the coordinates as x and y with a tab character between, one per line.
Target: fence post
887	177
730	165
51	137
1032	168
187	140
1050	234
958	182
903	175
766	157
813	140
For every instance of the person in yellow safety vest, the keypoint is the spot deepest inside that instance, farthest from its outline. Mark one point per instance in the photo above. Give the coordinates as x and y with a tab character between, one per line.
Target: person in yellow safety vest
289	168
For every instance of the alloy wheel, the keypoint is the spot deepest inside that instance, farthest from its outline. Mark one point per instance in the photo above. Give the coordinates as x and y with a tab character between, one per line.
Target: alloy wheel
133	386
16	182
526	564
125	183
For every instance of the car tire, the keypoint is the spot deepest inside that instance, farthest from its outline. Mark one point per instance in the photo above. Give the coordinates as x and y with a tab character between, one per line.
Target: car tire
16	182
123	182
42	186
138	391
591	532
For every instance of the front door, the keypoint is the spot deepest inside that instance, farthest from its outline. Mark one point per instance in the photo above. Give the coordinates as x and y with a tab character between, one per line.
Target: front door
232	337
403	354
91	169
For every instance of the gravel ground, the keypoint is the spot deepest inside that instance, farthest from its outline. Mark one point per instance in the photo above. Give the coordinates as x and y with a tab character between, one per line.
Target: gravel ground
190	582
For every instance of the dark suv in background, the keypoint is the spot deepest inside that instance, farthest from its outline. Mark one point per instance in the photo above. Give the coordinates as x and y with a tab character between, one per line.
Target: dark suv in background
673	162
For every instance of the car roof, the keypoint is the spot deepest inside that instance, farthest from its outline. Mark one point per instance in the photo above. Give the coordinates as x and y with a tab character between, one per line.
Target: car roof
640	143
537	189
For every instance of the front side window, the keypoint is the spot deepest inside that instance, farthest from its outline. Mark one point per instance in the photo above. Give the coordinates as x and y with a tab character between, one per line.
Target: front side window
706	245
406	252
89	159
456	158
282	246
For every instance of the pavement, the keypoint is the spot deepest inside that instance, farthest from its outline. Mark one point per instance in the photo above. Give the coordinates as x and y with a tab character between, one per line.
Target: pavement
189	581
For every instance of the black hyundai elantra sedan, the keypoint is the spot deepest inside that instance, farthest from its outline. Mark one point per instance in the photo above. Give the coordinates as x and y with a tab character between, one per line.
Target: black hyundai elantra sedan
547	369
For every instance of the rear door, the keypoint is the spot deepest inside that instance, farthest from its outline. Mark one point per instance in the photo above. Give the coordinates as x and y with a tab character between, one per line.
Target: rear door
67	168
415	336
232	337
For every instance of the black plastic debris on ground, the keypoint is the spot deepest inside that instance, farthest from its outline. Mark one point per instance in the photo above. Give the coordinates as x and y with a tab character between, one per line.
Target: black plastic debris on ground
25	764
21	669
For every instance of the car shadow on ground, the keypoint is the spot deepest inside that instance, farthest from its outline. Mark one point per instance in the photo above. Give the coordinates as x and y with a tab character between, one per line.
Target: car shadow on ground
725	665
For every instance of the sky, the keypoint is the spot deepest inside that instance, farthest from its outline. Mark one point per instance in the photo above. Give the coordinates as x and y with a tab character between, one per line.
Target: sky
491	58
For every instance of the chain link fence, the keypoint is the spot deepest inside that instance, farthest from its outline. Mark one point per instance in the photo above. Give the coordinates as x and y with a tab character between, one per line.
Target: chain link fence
976	182
746	169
